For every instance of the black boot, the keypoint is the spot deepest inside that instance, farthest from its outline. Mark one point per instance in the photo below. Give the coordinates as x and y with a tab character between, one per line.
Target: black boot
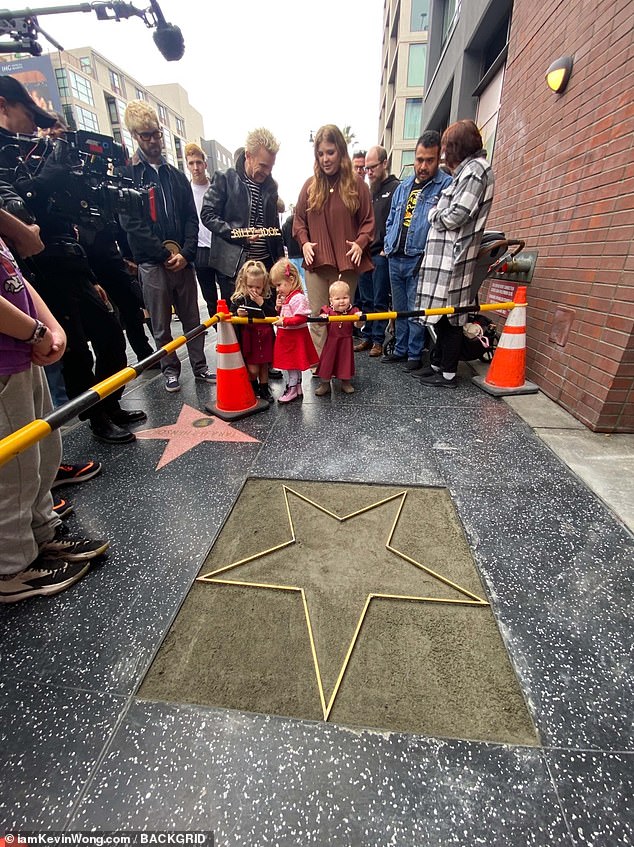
255	386
265	392
106	430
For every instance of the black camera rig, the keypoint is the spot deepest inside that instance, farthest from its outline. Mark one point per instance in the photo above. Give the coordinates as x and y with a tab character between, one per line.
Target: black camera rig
88	189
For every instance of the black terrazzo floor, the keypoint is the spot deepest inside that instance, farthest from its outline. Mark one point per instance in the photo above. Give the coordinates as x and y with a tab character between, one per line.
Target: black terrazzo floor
79	751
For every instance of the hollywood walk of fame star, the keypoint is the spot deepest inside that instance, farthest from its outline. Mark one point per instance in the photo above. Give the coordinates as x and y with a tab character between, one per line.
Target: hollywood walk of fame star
355	582
192	428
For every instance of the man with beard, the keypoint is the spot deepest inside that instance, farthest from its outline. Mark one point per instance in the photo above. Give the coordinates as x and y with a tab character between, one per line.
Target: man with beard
374	286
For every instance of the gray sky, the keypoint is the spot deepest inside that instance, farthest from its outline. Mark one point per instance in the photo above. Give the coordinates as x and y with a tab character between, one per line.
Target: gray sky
289	65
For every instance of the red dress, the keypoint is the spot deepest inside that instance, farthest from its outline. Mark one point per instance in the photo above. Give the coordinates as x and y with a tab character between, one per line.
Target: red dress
256	340
337	357
294	349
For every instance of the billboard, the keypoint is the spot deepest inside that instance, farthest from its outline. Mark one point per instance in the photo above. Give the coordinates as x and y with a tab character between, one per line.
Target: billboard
38	77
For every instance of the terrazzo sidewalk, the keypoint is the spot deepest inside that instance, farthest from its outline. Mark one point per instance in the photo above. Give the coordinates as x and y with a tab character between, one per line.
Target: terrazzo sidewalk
80	751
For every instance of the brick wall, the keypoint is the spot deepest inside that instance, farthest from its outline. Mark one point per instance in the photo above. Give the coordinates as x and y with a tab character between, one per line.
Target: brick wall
564	165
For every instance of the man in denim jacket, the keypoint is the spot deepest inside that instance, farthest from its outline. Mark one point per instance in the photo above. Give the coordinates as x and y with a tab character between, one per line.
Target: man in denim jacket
405	237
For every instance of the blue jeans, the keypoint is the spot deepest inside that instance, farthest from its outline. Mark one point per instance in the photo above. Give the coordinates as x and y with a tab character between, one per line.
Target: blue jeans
374	287
410	335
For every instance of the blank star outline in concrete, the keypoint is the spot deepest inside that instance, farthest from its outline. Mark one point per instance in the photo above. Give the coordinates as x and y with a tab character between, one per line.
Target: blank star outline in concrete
468	599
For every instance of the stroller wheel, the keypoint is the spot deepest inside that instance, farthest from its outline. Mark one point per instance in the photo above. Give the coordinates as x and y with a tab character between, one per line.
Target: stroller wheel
389	343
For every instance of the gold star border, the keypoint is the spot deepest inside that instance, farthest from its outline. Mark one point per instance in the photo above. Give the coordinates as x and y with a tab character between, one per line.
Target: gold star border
471	599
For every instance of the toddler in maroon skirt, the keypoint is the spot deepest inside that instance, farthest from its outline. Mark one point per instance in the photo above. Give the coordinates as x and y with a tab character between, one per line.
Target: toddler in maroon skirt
253	298
337	357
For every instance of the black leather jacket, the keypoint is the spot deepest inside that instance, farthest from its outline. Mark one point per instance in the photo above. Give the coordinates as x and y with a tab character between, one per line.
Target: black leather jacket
227	206
145	238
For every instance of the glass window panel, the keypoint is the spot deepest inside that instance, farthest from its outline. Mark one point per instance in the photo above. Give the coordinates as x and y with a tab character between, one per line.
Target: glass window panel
419	18
416	65
413	115
87	120
81	88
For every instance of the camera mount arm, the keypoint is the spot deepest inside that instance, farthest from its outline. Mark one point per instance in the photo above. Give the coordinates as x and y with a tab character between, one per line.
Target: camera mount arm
23	28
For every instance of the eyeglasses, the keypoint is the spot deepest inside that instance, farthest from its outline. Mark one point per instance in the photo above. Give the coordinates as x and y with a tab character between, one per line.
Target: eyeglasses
370	168
150	136
359	168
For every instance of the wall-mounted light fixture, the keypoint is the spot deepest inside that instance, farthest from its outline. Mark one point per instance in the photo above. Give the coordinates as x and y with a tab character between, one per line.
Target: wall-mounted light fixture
558	74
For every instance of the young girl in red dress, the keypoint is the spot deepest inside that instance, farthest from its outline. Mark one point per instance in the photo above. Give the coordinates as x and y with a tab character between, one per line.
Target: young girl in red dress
294	350
253	298
337	357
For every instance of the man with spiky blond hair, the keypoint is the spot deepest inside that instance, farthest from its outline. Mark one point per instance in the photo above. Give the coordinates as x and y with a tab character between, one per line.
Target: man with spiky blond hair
242	197
165	249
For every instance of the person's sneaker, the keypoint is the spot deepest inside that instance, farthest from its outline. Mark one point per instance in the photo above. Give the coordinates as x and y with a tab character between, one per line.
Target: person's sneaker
43	576
429	371
76	473
62	508
412	365
437	380
392	358
172	384
206	376
72	549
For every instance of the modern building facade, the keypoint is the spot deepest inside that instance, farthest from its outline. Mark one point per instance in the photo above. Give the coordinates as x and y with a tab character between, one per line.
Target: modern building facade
92	93
564	169
403	61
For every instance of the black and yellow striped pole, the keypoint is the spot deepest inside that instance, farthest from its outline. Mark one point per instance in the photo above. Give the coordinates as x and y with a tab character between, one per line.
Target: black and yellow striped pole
35	431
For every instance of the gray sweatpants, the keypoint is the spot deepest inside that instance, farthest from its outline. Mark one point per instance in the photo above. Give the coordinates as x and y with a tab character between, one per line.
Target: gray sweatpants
163	289
27	518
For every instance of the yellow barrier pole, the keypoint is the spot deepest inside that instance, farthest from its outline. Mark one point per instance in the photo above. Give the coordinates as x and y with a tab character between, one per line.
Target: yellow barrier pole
36	430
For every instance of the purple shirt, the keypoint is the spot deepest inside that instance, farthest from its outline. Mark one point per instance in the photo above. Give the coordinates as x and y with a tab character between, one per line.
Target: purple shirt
15	355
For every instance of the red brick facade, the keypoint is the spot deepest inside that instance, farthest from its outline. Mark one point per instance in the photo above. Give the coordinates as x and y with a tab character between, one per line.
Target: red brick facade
564	165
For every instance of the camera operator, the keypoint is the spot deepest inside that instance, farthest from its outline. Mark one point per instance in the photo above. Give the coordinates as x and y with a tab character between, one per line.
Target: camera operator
108	265
63	277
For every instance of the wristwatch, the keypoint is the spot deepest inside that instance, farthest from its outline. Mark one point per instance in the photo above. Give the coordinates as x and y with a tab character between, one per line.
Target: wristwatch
38	333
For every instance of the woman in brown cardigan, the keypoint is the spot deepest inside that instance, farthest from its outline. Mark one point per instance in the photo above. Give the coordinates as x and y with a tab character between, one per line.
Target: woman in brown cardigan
334	223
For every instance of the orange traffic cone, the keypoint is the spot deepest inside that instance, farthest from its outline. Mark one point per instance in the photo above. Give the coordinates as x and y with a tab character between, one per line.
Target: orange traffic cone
506	371
234	394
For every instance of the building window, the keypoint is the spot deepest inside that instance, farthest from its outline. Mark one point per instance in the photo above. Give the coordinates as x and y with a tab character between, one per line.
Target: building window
86	65
86	119
81	88
451	13
180	126
407	164
413	117
162	113
140	94
112	111
62	83
116	83
419	18
167	138
127	141
416	65
488	110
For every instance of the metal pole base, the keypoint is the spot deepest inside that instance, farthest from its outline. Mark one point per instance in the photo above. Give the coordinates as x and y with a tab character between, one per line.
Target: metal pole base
526	388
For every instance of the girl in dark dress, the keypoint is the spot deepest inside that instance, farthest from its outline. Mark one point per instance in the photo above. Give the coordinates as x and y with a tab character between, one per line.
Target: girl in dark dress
253	298
337	357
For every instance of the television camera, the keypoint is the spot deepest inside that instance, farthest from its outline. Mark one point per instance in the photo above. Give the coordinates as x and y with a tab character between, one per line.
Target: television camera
85	186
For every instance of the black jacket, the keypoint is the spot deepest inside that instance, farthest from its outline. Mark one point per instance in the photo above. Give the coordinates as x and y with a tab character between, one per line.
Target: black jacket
227	206
145	237
381	202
